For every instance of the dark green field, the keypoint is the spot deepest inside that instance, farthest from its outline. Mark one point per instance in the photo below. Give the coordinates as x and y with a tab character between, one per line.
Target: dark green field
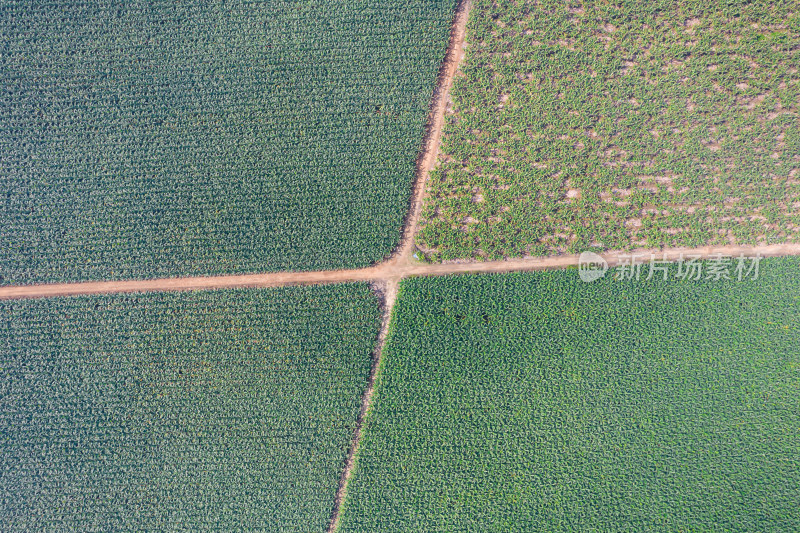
536	402
162	138
224	410
617	125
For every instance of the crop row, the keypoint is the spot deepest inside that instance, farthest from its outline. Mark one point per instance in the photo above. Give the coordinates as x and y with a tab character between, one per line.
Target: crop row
159	139
227	410
615	127
537	402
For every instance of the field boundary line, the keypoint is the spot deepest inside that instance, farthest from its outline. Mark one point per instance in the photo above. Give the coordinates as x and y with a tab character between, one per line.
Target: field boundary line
388	295
426	159
392	270
383	272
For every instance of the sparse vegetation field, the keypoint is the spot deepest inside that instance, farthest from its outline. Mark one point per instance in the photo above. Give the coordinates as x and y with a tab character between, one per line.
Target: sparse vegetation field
161	139
617	125
536	402
222	410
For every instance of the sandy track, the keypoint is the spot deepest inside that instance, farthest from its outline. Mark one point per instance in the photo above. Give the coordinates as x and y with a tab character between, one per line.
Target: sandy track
388	293
612	258
433	129
390	271
273	279
388	274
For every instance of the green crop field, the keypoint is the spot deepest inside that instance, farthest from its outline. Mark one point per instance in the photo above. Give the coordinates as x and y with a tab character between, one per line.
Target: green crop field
162	138
617	125
536	402
222	410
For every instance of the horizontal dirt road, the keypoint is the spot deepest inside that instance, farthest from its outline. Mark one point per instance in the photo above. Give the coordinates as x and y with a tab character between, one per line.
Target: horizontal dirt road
393	270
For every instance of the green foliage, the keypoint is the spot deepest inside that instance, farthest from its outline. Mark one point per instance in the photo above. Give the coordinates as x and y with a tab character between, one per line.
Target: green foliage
222	410
536	402
619	125
146	139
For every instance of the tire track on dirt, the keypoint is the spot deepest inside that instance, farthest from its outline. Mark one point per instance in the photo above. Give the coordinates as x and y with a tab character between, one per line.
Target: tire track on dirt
426	160
388	293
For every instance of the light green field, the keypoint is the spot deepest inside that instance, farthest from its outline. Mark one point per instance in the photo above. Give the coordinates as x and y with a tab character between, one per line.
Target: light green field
536	402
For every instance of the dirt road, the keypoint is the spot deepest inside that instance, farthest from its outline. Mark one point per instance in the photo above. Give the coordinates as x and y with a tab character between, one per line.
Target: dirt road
433	129
392	270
